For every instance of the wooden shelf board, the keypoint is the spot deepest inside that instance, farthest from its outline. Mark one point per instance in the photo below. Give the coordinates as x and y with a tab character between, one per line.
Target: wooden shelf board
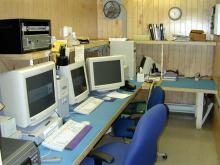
207	43
27	56
96	43
45	53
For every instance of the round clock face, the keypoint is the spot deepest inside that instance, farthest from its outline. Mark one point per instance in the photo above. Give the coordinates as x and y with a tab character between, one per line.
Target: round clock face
175	13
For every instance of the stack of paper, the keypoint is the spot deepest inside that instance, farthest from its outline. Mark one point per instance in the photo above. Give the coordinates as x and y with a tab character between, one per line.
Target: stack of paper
170	76
118	95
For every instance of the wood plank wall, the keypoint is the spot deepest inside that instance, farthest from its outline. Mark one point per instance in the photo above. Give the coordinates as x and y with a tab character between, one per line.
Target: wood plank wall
196	14
81	15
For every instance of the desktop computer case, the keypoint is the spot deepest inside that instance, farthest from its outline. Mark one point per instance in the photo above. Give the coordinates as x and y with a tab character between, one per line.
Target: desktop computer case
20	36
126	48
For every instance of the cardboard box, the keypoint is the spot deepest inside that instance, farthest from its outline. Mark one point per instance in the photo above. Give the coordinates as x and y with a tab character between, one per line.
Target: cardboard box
197	35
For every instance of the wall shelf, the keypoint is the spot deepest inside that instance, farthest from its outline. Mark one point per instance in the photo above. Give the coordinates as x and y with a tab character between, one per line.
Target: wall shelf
199	43
27	56
46	53
96	43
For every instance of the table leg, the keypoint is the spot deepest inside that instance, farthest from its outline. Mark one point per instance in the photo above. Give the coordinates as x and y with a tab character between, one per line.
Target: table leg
199	109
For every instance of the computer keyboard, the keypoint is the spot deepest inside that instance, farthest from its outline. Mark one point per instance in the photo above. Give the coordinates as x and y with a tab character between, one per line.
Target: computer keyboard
88	105
68	135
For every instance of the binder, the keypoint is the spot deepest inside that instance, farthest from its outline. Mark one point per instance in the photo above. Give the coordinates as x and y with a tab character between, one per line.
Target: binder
161	32
150	27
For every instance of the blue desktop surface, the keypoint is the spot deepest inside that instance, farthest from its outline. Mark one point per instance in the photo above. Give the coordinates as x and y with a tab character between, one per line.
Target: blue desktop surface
98	119
190	83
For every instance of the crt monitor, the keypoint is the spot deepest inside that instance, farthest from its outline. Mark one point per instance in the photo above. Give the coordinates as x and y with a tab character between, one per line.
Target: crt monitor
78	83
106	72
29	93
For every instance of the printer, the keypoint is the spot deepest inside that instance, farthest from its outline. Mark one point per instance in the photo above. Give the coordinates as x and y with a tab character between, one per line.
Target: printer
14	152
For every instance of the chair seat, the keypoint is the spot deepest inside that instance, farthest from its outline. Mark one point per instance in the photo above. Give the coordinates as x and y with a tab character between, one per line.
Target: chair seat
143	148
117	150
121	126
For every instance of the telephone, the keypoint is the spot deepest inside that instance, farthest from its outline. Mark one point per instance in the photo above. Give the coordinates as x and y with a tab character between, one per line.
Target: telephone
128	86
83	40
149	66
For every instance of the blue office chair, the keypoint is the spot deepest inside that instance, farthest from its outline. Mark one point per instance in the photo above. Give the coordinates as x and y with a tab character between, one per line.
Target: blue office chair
143	148
122	125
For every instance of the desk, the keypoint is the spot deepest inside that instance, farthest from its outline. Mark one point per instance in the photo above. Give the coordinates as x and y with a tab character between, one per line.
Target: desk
200	87
101	120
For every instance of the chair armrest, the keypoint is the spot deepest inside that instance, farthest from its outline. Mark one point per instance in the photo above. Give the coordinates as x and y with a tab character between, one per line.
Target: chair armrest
131	129
99	156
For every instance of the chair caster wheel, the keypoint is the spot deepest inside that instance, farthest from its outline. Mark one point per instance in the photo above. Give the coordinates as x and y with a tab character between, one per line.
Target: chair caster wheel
164	156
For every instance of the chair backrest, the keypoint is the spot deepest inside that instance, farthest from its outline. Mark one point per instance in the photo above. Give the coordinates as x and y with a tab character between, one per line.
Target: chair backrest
143	148
157	96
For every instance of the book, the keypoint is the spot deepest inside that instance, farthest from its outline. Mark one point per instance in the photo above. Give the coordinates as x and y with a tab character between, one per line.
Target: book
170	76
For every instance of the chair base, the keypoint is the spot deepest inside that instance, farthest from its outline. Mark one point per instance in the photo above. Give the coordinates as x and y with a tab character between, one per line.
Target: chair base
162	155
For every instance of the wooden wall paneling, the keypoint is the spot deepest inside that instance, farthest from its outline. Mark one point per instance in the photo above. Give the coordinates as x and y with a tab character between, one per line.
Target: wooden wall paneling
194	9
132	18
187	59
182	59
100	16
196	14
81	15
140	17
210	60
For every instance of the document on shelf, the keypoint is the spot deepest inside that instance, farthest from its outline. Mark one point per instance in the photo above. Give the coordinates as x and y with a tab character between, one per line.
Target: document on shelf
118	95
79	53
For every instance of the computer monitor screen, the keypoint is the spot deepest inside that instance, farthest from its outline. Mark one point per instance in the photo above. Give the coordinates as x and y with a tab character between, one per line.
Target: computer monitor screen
29	93
77	80
106	73
111	73
40	91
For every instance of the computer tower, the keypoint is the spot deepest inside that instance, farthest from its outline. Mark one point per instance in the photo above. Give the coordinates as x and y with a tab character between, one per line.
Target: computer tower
128	49
63	97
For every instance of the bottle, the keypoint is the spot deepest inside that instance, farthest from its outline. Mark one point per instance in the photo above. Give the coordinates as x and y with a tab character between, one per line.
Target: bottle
62	60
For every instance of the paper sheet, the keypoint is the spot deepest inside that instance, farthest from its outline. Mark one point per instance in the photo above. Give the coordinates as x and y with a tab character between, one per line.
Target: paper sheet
79	53
118	95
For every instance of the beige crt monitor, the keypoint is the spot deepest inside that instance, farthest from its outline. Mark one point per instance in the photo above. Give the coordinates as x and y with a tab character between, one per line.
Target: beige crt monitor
77	80
106	72
29	94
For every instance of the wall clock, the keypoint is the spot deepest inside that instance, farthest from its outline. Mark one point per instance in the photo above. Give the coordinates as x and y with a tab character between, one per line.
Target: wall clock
175	13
